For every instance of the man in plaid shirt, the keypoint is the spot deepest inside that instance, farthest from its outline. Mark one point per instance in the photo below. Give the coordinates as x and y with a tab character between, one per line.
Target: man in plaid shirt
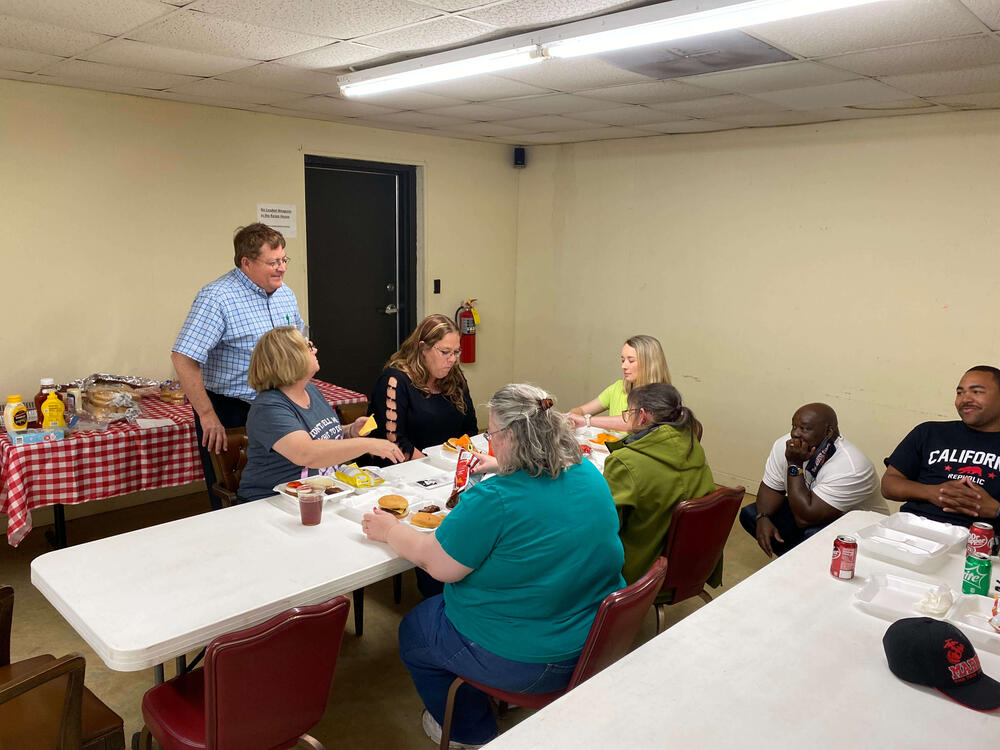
212	351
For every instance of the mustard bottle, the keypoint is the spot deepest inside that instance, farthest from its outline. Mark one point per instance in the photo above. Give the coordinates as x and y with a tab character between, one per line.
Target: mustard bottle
15	416
52	411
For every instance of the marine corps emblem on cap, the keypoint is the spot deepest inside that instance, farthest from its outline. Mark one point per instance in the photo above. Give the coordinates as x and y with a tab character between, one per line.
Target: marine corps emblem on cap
937	654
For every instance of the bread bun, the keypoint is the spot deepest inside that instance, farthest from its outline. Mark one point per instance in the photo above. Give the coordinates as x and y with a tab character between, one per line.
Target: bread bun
321	482
395	504
454	444
426	520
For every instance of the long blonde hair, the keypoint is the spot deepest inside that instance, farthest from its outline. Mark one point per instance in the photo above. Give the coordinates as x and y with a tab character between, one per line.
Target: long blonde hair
652	364
431	330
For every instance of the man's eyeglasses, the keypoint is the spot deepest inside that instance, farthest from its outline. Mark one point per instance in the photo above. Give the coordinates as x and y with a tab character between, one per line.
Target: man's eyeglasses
273	264
448	353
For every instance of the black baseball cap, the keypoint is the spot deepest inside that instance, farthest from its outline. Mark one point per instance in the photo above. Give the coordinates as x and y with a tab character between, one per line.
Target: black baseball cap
937	654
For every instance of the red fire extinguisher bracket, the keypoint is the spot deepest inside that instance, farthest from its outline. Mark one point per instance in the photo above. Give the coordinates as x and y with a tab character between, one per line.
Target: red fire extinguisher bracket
467	318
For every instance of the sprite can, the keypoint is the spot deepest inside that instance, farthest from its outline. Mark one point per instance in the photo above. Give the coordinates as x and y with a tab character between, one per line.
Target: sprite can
976	579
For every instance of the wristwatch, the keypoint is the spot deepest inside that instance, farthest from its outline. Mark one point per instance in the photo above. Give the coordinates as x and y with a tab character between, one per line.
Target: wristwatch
760	516
587	418
793	470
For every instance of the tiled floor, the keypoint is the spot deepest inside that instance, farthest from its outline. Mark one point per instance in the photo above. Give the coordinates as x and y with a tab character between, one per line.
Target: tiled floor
372	702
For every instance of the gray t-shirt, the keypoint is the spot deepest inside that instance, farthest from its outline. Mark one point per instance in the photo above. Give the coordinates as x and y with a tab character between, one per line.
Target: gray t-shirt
272	416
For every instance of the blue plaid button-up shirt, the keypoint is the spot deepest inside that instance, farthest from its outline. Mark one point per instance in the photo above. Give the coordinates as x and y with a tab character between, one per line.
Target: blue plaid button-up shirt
221	330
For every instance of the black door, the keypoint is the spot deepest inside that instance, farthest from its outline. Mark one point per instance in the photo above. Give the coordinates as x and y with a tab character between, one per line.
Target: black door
361	255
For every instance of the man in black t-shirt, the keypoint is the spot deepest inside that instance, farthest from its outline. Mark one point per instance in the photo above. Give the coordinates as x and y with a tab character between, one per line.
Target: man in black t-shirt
950	471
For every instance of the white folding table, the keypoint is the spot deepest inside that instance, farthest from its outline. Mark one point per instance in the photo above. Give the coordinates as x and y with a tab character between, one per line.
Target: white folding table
783	659
141	598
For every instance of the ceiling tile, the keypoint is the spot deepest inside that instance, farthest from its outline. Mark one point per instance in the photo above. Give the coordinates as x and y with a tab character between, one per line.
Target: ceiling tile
410	99
774	119
340	19
791	75
859	113
342	107
861	91
452	6
476	112
278	76
717	106
21	33
234	92
687	126
989	100
117	76
202	32
632	114
950	54
557	104
335	56
655	92
520	13
483	88
869	27
421	120
438	32
987	10
944	83
547	123
24	60
131	54
488	128
587	134
112	17
573	74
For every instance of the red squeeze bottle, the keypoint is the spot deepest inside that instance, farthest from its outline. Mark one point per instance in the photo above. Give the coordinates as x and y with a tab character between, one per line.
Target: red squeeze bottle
47	385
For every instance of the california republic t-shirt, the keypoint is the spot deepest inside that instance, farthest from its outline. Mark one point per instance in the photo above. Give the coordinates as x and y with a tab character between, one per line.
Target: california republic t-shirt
938	452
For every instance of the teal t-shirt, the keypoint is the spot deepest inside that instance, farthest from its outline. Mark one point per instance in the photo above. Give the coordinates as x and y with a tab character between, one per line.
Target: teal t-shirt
544	553
614	399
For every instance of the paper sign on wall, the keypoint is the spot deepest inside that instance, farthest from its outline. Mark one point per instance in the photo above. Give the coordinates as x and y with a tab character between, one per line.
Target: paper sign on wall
279	217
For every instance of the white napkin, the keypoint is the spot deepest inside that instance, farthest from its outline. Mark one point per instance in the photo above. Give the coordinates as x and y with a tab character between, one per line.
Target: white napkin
145	424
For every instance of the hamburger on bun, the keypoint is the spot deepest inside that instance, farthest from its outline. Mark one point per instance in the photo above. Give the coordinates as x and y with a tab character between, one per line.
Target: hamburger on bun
395	504
454	444
426	520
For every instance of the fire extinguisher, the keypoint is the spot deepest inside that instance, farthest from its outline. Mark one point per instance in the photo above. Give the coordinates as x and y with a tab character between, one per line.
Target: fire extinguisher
467	318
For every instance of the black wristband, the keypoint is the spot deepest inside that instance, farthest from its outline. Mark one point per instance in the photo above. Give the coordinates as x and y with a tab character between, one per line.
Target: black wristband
760	516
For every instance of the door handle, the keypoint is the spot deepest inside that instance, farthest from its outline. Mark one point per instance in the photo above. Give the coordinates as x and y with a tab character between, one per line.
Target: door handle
391	310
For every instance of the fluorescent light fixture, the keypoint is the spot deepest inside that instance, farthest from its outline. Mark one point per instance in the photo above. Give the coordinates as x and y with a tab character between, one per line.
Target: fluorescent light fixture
429	71
677	19
692	24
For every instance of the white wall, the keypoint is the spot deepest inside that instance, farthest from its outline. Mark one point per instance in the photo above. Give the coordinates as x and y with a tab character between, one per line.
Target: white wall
119	208
853	263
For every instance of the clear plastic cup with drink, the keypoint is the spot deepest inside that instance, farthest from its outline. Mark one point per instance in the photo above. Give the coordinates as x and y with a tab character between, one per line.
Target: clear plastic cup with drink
311	506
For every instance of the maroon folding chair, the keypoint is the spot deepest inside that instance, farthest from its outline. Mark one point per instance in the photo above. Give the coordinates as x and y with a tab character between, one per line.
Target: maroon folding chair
262	687
615	626
696	537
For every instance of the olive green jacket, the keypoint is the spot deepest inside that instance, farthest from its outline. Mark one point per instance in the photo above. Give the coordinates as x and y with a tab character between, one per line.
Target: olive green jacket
649	474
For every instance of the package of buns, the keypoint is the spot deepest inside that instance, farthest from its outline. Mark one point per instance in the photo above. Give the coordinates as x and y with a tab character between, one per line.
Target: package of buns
111	397
171	392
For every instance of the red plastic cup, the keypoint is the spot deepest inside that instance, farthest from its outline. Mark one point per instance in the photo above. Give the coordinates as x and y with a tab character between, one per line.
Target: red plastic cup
311	507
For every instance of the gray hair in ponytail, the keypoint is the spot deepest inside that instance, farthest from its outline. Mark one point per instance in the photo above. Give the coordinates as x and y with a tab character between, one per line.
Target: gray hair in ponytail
662	404
541	438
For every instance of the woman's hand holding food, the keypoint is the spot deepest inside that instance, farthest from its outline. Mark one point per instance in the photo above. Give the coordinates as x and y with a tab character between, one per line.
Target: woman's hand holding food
355	428
378	524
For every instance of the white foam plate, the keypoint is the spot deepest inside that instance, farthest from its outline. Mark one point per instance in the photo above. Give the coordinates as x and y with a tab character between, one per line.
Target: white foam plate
914	525
972	613
903	548
447	460
416	506
345	489
355	506
892	597
420	473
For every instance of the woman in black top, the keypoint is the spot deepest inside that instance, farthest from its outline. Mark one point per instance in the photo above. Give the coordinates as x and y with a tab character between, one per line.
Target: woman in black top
422	398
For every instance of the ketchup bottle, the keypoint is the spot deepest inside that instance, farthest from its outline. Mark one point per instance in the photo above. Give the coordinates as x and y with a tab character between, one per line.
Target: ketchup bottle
48	385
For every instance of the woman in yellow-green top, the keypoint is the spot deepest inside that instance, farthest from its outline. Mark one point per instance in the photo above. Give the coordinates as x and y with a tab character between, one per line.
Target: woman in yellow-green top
642	363
658	465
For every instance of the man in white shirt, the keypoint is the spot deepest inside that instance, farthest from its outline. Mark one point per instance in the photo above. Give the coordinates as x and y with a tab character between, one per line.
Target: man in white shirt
812	477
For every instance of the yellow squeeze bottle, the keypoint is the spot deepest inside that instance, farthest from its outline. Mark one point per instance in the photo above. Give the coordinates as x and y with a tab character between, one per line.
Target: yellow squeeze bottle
15	416
52	411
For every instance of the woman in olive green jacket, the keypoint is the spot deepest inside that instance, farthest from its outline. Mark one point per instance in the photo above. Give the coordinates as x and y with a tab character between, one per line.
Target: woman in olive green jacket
659	464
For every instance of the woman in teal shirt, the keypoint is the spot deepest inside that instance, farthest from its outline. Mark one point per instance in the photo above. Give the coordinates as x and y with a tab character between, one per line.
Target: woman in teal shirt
520	592
642	363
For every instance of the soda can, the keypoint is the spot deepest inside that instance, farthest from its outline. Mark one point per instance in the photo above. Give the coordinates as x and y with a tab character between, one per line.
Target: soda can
845	554
980	538
978	571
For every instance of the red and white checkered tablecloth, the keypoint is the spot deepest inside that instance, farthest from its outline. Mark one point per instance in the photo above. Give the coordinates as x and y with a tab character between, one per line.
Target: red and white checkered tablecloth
95	465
